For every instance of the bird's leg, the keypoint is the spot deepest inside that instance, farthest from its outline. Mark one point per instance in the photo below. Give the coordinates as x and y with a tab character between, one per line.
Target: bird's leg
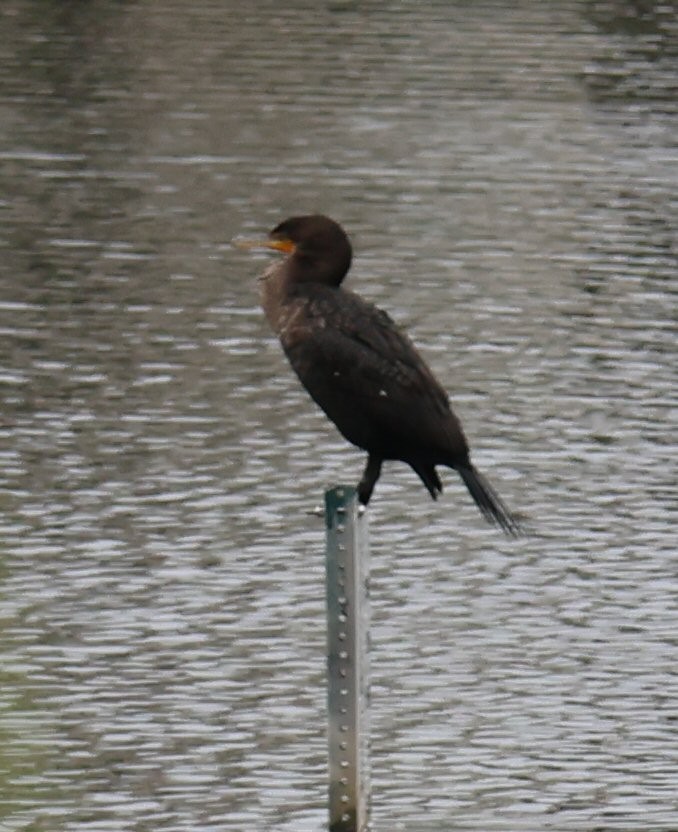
369	478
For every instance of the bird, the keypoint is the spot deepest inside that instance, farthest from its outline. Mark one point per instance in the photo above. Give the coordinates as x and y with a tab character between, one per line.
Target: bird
360	367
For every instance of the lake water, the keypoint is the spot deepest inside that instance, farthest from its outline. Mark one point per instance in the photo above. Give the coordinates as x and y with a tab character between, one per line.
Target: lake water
508	174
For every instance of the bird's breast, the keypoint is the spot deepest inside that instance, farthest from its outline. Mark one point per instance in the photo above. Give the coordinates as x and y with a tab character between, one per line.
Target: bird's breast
287	315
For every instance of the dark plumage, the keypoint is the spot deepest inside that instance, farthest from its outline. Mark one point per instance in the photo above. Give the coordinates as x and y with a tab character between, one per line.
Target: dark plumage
360	368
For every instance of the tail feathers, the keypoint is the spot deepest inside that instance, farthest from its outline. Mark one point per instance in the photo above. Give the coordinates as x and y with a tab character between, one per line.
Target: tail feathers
429	476
488	501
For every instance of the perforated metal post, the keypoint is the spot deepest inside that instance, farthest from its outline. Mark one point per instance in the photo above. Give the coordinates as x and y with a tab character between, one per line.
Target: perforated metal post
347	559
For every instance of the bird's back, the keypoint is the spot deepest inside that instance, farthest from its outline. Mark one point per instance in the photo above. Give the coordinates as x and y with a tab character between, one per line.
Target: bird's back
368	377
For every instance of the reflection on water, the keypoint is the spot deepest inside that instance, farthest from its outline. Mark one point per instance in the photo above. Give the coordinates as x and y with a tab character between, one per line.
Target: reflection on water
508	175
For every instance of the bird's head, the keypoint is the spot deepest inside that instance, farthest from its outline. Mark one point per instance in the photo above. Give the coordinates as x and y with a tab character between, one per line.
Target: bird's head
317	248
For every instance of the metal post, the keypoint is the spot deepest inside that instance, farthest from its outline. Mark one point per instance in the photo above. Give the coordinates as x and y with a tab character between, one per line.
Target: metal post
347	561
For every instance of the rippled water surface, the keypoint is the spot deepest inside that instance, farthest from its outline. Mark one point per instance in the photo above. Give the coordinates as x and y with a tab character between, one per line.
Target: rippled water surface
508	173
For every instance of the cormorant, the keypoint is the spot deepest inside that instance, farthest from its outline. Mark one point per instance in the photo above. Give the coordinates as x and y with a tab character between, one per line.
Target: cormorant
360	368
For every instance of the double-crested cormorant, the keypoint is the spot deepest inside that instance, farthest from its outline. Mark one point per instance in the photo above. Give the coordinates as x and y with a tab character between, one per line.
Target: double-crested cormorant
360	368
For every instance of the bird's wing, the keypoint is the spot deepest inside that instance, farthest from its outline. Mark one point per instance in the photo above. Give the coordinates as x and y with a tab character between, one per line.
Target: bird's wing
360	367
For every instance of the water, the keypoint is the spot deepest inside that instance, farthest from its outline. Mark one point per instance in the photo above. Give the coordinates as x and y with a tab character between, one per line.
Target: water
508	175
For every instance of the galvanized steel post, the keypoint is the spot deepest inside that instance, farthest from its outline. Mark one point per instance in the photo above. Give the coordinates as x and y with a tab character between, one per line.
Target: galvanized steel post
347	563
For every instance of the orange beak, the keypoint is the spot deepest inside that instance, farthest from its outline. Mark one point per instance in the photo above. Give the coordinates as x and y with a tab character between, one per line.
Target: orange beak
284	245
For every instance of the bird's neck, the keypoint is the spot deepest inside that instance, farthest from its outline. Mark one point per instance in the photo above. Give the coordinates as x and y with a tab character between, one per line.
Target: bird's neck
274	291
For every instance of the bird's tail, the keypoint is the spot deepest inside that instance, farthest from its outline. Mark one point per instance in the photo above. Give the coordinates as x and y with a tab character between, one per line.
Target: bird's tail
488	501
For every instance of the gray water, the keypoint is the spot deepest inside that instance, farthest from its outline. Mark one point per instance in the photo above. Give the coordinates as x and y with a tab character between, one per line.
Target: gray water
508	173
